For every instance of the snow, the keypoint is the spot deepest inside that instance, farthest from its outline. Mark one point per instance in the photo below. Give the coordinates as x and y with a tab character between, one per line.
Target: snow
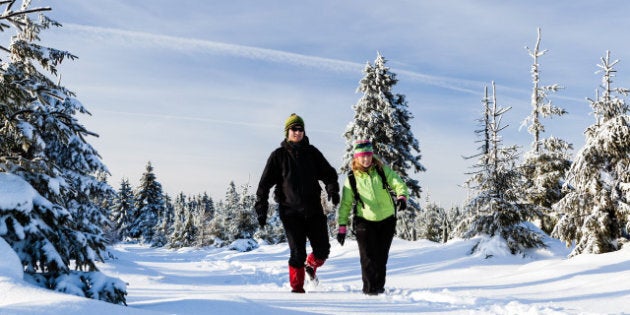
15	193
423	277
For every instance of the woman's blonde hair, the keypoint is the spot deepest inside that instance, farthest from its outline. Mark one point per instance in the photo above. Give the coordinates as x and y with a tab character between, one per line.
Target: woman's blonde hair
356	166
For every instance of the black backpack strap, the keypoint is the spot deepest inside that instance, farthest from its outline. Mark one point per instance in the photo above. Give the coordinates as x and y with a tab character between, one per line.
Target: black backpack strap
353	186
386	186
381	173
356	202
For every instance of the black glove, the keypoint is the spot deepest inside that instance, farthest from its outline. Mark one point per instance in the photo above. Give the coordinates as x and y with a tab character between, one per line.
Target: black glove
401	204
332	190
341	238
334	197
261	206
262	221
341	235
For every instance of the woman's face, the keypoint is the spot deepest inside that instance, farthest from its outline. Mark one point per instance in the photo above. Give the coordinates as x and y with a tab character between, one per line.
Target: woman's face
365	160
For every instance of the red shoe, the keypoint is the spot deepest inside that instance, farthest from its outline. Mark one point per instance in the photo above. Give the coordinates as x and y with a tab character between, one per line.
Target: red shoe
296	279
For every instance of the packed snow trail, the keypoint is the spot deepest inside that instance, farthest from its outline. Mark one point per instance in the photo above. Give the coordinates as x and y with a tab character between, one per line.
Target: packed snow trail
423	277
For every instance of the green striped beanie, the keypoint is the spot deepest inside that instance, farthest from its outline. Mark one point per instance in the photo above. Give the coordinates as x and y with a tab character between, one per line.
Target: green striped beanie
362	148
293	120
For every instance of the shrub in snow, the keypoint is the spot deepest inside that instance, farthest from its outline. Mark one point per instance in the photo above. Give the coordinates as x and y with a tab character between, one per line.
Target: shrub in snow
243	245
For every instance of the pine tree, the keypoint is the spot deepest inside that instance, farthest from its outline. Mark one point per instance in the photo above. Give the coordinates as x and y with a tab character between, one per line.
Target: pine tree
383	118
164	227
436	223
596	211
185	230
545	165
232	217
123	211
223	228
208	210
150	207
42	142
239	206
177	238
495	209
246	223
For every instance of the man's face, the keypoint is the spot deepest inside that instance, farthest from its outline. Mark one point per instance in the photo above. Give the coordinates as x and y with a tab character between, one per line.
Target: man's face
296	133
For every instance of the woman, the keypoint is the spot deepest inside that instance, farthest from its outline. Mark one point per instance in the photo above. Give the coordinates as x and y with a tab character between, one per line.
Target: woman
375	218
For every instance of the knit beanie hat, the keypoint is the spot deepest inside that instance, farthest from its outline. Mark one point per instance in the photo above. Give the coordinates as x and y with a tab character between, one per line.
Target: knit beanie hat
293	120
362	148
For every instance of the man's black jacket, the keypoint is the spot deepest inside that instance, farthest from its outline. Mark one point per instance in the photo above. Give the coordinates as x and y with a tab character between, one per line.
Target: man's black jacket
295	170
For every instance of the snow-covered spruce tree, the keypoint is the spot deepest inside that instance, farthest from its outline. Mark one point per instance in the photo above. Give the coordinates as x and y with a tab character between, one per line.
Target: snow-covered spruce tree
208	210
225	220
495	209
164	227
383	117
596	211
436	223
233	218
185	230
545	165
243	223
430	222
150	207
42	142
122	211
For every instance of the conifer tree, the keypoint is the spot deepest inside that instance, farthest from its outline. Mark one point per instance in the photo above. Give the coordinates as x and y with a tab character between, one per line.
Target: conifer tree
239	206
208	210
232	218
495	209
383	117
245	223
164	226
123	211
150	206
545	165
42	142
185	230
223	225
436	223
596	210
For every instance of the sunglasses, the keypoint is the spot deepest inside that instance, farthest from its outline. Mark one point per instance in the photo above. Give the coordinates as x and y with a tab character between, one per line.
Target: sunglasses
297	129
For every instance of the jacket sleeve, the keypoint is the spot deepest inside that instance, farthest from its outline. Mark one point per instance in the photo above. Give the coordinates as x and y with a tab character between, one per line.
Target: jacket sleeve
268	179
345	206
326	173
397	184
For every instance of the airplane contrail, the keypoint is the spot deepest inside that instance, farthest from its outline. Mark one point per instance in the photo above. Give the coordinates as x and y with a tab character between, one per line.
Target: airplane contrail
264	54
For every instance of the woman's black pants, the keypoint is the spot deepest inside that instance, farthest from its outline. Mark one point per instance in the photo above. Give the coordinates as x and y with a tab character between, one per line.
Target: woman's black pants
374	239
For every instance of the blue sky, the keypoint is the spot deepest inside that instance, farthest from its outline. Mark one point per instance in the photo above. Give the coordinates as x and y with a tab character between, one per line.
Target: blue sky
202	88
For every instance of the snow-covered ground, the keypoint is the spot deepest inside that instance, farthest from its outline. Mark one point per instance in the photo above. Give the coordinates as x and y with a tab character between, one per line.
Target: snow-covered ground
423	277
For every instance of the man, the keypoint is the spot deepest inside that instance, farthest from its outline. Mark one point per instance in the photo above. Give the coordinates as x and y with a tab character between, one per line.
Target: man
295	169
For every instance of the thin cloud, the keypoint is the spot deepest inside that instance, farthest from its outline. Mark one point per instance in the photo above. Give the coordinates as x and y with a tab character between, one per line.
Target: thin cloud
256	53
204	120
